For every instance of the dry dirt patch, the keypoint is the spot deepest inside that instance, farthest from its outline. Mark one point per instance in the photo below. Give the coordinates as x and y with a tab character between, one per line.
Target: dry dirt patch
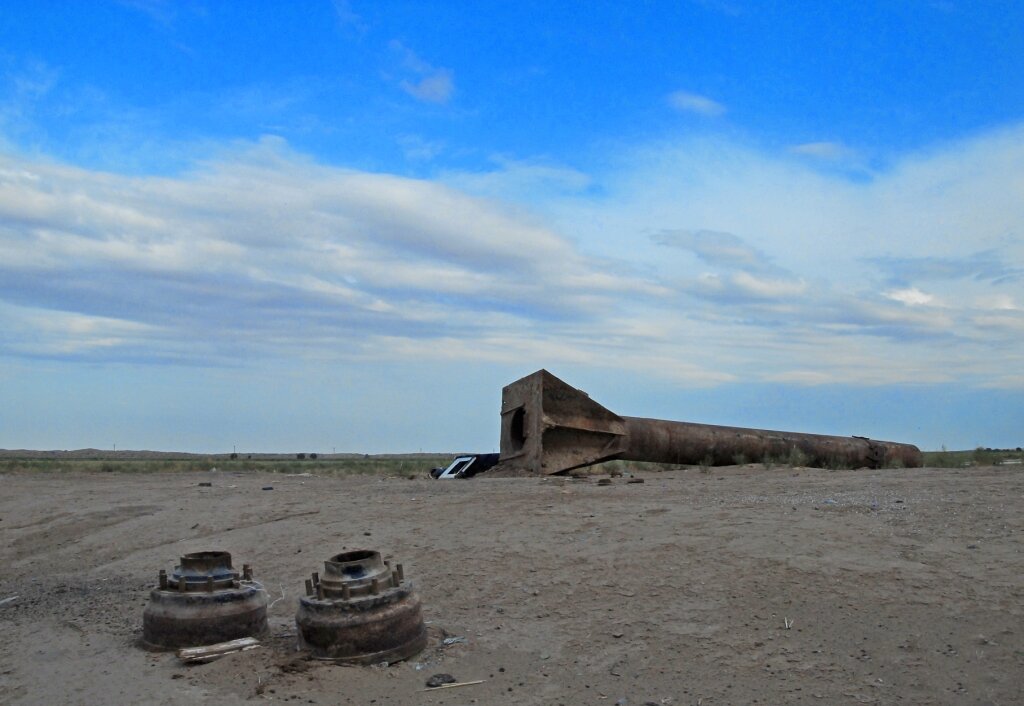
897	586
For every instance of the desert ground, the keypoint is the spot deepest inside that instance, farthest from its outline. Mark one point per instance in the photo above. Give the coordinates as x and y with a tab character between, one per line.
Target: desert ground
897	586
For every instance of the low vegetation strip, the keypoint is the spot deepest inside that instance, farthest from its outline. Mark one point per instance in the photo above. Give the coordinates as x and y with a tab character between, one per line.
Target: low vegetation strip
975	457
409	465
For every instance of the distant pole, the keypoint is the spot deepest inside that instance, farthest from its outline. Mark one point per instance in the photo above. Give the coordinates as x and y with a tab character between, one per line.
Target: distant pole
115	447
233	449
334	450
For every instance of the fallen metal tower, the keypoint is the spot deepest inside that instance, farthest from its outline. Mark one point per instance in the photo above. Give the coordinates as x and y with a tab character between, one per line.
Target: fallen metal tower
548	427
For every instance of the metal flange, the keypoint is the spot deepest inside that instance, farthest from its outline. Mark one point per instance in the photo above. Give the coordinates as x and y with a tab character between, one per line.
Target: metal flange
360	611
204	601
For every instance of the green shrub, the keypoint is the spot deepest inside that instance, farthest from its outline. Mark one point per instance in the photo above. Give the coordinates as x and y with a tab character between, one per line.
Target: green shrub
796	458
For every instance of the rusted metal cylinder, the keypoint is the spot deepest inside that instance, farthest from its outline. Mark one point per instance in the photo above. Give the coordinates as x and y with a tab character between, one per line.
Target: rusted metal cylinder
688	443
548	426
361	613
203	602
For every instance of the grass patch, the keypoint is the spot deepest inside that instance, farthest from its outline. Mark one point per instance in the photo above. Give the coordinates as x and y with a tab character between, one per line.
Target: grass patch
973	457
797	458
410	465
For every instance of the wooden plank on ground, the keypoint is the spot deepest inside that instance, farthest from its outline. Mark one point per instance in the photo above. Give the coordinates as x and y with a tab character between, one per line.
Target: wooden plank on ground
208	652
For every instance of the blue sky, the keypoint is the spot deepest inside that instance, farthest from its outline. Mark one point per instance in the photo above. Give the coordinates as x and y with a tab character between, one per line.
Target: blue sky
345	225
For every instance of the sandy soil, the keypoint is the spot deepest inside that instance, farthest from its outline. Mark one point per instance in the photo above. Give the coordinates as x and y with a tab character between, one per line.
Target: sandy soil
901	586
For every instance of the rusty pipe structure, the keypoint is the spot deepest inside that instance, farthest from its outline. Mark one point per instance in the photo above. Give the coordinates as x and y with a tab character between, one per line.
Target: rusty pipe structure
549	427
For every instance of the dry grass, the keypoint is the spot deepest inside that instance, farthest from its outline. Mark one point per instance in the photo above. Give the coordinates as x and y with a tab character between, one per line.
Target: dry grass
410	465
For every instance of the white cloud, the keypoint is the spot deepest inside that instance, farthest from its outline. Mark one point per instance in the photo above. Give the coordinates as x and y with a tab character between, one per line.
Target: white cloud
999	302
911	297
39	331
163	11
800	377
259	244
434	88
532	181
743	287
417	148
347	17
686	102
701	262
768	288
25	89
827	151
430	84
714	247
778	251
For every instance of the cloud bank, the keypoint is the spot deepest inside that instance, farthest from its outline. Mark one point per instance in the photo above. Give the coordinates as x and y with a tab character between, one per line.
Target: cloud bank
698	262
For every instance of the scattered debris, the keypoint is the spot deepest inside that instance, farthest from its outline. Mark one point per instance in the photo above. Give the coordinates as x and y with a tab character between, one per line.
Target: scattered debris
268	487
453	640
439	679
205	484
635	480
465	466
8	600
276	600
196	655
455	685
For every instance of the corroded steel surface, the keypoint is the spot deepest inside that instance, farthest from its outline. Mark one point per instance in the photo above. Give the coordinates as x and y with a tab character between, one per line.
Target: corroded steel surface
360	612
548	426
204	601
